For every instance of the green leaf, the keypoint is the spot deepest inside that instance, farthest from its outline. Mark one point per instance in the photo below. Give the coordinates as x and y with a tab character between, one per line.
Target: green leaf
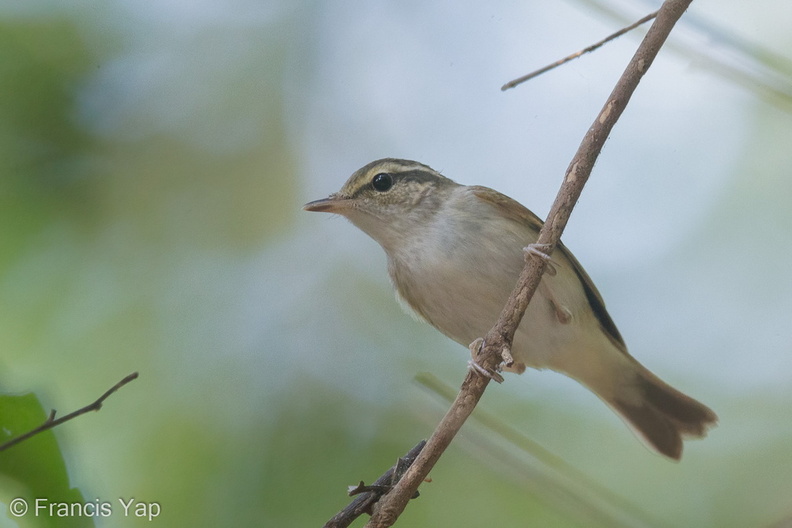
35	469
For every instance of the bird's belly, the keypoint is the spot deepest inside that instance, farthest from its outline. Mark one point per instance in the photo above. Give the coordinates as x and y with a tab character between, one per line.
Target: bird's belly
465	302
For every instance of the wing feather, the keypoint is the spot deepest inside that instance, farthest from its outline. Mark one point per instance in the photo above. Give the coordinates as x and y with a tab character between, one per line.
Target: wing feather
519	213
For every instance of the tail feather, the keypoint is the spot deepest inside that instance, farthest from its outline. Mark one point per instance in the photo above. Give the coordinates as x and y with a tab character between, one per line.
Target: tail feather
663	416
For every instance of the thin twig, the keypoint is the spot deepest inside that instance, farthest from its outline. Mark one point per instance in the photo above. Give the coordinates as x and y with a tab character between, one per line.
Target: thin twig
51	422
556	64
499	338
364	502
726	54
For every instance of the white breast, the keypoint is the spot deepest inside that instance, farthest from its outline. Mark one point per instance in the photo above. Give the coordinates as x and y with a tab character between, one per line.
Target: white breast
458	274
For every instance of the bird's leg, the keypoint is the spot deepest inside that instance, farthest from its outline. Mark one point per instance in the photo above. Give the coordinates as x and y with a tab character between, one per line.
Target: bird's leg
540	250
475	349
561	312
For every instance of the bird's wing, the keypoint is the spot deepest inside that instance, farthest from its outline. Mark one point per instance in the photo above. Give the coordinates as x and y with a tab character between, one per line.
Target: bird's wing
517	212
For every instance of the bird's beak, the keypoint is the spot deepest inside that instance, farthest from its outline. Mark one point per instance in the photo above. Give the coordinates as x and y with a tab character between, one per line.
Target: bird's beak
331	204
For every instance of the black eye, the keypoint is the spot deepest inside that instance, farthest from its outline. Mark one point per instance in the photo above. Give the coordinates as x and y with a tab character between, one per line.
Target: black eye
382	182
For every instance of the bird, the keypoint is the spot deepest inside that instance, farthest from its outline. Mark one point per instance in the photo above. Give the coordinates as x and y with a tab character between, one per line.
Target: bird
454	254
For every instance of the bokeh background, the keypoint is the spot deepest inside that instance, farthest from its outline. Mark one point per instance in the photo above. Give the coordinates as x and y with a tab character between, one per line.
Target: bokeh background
155	157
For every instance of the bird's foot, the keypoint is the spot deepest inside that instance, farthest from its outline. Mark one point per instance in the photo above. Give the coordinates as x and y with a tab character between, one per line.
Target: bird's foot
540	250
475	350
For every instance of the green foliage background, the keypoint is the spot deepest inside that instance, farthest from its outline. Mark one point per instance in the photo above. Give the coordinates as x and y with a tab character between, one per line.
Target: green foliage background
153	162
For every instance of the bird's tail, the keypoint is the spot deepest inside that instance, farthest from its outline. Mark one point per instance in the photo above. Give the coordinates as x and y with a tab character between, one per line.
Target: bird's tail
660	414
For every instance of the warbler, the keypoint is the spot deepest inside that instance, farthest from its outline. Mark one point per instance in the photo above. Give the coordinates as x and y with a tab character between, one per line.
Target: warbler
454	255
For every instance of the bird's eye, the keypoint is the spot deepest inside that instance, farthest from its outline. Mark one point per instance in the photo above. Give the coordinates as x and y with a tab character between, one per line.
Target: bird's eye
382	182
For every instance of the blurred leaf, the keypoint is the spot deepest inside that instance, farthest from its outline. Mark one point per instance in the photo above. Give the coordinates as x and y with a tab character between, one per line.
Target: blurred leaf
42	62
35	465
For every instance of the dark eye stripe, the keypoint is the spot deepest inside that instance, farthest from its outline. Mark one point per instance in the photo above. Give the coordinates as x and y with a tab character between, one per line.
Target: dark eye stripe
419	176
381	177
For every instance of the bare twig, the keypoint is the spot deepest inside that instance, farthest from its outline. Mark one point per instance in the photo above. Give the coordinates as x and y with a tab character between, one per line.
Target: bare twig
364	502
556	64
499	338
726	54
51	422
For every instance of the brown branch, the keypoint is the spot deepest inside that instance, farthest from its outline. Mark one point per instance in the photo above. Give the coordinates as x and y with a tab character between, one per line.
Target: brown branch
499	338
51	422
561	478
589	49
365	500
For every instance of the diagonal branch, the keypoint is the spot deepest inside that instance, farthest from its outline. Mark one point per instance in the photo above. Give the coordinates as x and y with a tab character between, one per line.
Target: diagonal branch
51	422
588	49
499	338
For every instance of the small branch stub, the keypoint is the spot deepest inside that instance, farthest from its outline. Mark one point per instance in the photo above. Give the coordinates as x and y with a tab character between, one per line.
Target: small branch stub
368	495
